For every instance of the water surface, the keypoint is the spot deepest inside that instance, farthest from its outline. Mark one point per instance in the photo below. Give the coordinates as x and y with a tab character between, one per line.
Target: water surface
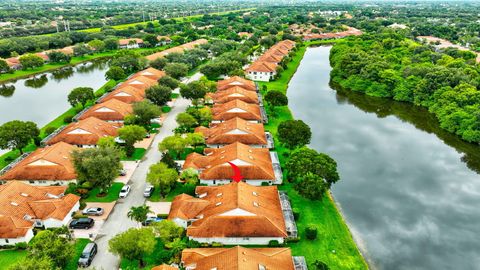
409	191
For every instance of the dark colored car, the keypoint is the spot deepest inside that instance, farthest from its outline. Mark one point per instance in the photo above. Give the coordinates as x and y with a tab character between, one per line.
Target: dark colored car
88	253
82	223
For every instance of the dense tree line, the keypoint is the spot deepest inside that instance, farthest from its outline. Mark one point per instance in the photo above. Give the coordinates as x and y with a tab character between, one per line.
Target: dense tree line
390	65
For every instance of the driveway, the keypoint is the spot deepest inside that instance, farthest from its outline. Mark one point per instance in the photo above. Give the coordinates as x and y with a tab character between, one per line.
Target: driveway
91	233
107	209
129	167
118	221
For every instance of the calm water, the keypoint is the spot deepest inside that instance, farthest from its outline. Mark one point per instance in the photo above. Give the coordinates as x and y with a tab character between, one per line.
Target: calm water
410	192
43	98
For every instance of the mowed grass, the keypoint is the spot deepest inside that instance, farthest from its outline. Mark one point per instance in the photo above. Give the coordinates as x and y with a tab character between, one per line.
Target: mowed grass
10	257
137	155
79	246
334	244
111	196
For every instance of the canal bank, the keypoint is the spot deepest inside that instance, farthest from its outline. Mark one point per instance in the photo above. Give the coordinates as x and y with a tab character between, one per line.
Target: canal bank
408	189
334	245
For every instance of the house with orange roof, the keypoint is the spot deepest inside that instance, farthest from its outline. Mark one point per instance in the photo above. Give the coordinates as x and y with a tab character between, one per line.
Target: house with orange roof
241	258
262	71
237	108
130	43
23	207
257	165
13	63
163	40
43	55
139	82
84	133
177	49
127	94
232	93
232	214
236	130
151	73
236	81
50	165
244	34
112	110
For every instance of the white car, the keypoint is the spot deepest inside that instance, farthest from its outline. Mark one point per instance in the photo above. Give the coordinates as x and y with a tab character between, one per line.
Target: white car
124	192
93	211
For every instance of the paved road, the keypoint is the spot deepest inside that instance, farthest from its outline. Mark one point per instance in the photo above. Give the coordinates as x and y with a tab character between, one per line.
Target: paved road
118	221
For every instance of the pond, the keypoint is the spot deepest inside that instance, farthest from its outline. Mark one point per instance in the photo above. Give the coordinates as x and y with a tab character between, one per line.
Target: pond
409	191
44	97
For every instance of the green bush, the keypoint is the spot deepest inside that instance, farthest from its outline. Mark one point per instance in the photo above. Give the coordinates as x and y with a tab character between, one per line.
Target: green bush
293	240
80	216
296	213
265	184
162	216
21	246
273	243
68	119
50	130
311	232
215	244
87	185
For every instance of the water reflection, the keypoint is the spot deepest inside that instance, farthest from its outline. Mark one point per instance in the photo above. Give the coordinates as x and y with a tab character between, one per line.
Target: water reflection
92	66
62	74
37	82
7	90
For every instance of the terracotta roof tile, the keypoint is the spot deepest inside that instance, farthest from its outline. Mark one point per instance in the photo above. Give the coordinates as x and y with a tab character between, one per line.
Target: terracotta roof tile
49	163
238	258
254	163
126	41
262	66
127	94
236	108
234	130
177	49
85	132
234	92
140	82
110	110
236	81
151	73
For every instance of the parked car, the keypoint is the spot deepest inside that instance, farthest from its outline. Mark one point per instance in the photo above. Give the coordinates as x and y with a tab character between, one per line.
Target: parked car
122	172
88	253
124	192
93	211
81	223
148	191
150	220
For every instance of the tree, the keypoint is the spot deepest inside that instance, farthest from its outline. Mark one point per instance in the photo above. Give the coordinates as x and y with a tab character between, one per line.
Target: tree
128	61
305	160
97	45
133	244
190	176
99	166
81	50
294	133
311	186
4	68
186	120
159	94
139	213
194	139
311	232
176	70
130	135
58	57
276	98
159	63
111	43
17	134
28	263
319	265
169	82
144	112
80	95
168	231
162	177
106	142
115	73
30	61
194	91
48	244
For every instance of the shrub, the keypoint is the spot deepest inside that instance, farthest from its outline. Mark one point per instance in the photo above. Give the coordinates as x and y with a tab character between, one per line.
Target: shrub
273	243
87	185
311	232
21	246
296	213
80	216
83	205
162	216
265	184
37	141
293	240
50	130
215	244
68	119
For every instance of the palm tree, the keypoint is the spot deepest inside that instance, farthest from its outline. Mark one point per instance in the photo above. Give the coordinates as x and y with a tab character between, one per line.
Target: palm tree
139	213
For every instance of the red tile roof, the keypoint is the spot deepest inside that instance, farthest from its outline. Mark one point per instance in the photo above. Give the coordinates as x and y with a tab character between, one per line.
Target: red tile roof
236	108
232	93
85	132
110	110
127	94
236	81
234	130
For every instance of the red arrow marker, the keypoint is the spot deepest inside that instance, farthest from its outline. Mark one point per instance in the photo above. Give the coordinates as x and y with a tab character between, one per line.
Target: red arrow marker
237	177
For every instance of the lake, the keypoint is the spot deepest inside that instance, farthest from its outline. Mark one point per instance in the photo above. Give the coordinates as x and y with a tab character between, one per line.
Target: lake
44	97
409	191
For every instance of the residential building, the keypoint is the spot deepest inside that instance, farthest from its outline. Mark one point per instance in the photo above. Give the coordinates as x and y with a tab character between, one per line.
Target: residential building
127	94
233	214
140	82
261	71
163	40
150	72
50	165
241	258
130	43
236	81
236	130
237	108
112	110
24	206
257	165
177	49
84	133
232	93
13	63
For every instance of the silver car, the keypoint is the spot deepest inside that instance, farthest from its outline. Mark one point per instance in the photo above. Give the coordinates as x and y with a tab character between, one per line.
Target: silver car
124	192
93	211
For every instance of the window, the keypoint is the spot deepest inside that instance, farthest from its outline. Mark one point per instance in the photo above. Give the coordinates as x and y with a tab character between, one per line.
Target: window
31	181
219	194
6	241
218	203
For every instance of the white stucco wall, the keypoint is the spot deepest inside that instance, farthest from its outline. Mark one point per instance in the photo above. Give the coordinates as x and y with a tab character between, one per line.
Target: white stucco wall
224	182
239	240
261	76
48	182
53	223
12	241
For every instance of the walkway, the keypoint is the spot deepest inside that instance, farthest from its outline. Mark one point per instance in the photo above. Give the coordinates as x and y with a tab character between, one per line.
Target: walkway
118	221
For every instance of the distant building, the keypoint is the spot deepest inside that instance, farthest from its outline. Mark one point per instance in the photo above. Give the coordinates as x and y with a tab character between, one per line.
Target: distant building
130	43
236	81
23	207
237	108
163	40
398	26
112	110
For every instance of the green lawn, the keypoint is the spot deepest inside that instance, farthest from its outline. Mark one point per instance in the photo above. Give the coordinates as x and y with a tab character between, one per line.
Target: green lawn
79	246
110	197
137	155
9	257
177	190
334	245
